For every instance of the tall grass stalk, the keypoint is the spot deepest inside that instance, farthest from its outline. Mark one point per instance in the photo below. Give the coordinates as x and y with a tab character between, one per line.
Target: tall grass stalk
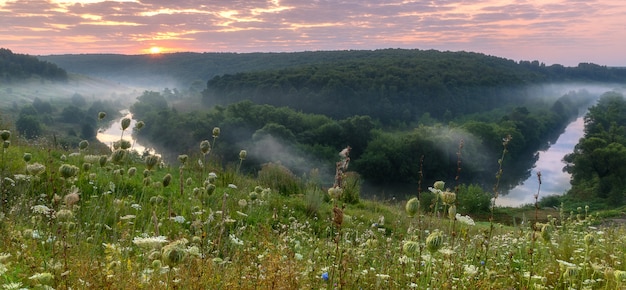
496	193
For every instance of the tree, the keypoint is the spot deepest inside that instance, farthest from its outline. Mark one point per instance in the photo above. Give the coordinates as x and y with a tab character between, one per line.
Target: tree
28	126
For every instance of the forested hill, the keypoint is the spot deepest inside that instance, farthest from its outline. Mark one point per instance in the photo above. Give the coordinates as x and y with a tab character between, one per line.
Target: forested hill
15	66
400	85
184	68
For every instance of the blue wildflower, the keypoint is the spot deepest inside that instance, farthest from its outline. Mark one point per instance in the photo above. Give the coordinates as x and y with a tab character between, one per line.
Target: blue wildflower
325	276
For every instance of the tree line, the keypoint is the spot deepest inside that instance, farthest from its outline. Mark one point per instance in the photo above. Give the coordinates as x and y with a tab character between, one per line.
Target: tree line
22	66
380	153
400	86
598	163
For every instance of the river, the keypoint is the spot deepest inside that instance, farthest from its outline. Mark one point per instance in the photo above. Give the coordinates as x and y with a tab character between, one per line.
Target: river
553	180
113	133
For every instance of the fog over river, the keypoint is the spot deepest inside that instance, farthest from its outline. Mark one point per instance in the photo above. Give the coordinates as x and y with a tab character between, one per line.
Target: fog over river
550	164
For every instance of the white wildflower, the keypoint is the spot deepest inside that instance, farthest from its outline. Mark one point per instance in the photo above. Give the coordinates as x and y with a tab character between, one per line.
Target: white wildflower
235	240
382	276
4	257
150	242
232	186
466	219
41	209
470	270
12	285
179	219
136	206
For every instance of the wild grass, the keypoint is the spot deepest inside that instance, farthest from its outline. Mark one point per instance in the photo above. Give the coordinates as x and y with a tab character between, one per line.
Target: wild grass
138	224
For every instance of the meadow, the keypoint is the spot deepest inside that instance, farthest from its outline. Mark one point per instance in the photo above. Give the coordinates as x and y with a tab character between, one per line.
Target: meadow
89	220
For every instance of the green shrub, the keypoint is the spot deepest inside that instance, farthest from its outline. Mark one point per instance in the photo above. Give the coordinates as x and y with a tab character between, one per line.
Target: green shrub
280	178
473	199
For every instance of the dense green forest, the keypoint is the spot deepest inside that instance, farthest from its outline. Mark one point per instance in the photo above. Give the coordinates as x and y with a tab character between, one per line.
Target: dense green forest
410	116
301	141
400	86
21	66
598	163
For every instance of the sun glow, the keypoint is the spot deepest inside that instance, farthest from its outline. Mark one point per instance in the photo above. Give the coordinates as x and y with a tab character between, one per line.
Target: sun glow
155	50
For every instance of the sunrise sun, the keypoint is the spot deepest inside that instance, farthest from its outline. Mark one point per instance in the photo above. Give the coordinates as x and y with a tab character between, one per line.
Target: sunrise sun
155	50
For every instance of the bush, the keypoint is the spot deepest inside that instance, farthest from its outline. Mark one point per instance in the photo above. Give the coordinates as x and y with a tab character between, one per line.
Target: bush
280	178
351	188
472	199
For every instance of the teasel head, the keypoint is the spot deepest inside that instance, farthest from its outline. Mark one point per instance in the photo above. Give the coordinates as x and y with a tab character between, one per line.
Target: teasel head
243	154
452	212
167	179
212	177
412	207
448	197
125	123
27	157
68	171
132	171
103	160
122	144
118	156
589	239
82	145
434	241
411	248
216	132
151	161
139	125
253	195
101	115
183	158
86	166
5	135
6	144
210	188
439	185
205	147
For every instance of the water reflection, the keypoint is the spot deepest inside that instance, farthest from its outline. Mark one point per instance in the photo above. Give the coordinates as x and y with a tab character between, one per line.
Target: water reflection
112	134
553	180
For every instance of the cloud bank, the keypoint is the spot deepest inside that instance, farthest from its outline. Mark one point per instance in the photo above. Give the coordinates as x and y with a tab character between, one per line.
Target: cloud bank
552	31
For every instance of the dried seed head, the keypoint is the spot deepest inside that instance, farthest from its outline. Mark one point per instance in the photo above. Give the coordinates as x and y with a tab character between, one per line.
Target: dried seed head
205	147
139	125
167	179
5	134
68	171
337	216
151	161
243	154
410	248
103	160
448	197
412	206
71	199
82	145
27	157
216	132
102	115
118	156
452	212
125	123
439	185
434	241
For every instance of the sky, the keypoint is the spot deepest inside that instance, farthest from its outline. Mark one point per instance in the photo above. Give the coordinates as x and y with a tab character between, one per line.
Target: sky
565	32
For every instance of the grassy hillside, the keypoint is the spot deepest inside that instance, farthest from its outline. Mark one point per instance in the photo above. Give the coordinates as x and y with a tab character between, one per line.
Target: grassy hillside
89	219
